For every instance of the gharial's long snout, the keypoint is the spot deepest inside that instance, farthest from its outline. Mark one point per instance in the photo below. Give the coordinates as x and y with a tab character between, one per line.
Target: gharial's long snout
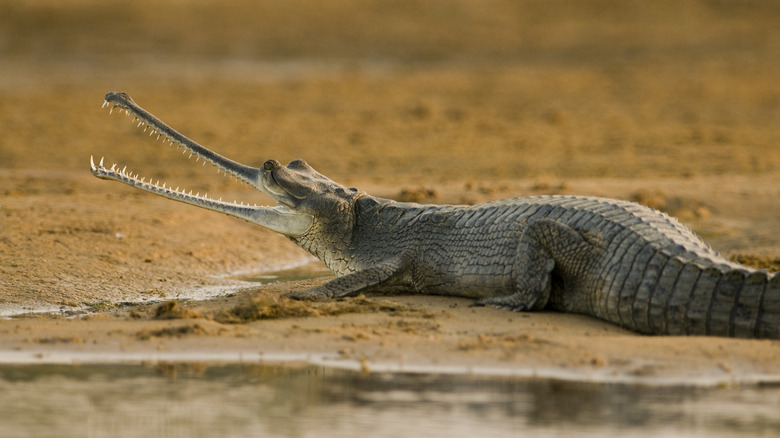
282	219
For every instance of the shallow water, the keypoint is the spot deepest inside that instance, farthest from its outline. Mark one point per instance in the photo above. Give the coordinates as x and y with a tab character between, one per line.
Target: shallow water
305	269
200	400
309	270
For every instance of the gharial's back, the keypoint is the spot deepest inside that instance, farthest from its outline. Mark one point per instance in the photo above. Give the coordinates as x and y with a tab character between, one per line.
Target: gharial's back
617	260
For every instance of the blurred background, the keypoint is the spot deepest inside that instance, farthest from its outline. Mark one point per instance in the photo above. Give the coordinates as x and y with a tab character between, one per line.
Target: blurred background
430	91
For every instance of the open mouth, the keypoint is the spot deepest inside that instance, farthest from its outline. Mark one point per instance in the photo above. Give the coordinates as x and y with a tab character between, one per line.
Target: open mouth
148	122
282	219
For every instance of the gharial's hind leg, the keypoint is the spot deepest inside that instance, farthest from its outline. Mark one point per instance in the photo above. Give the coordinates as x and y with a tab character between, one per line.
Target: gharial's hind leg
544	246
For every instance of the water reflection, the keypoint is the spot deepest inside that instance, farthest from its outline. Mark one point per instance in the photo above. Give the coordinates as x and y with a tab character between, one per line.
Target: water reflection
198	400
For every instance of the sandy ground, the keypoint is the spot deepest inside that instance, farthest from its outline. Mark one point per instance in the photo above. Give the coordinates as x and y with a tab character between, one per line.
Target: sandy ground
674	105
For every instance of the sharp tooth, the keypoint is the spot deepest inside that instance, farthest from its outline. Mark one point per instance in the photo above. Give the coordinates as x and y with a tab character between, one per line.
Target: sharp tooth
127	112
140	122
123	170
105	104
111	110
101	161
190	156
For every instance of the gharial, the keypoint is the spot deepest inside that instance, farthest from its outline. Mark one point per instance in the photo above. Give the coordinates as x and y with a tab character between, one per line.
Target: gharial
619	261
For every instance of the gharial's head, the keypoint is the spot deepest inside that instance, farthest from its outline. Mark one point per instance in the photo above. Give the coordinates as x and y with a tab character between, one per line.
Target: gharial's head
305	198
298	187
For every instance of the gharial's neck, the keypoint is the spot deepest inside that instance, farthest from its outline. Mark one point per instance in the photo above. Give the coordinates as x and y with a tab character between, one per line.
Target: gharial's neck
328	247
331	240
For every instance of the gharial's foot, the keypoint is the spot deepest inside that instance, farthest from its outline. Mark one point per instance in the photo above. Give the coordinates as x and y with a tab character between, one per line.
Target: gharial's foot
508	302
317	293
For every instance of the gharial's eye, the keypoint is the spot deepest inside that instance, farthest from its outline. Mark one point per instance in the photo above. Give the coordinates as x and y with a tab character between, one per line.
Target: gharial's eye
297	164
269	165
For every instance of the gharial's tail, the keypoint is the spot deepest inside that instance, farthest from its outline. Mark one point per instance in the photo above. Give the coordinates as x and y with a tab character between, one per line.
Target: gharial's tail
742	303
769	310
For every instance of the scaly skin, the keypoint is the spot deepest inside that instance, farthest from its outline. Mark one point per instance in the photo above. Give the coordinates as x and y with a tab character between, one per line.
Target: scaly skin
615	260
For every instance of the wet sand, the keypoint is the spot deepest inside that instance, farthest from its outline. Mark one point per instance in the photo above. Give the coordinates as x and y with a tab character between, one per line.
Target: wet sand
674	106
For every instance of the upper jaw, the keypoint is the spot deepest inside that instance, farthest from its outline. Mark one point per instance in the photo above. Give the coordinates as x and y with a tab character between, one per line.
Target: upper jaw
165	133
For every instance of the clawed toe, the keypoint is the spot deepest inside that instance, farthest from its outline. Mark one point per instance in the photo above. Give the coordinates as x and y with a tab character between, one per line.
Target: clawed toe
505	303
